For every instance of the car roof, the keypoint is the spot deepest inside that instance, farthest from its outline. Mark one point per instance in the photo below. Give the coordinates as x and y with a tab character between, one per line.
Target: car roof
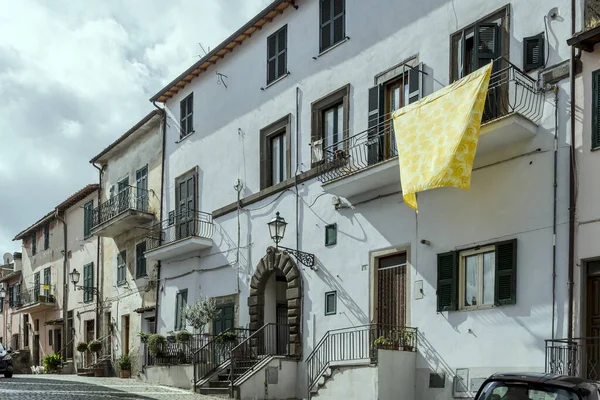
566	381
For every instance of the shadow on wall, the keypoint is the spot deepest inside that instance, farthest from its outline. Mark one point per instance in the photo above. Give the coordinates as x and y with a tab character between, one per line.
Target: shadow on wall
426	353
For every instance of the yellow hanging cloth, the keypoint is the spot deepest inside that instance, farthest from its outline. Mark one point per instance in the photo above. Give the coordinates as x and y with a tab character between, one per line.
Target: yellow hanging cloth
437	136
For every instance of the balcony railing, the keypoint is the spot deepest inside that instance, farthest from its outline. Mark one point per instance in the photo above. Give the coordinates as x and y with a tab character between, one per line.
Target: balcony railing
510	91
131	198
176	353
180	226
575	357
36	295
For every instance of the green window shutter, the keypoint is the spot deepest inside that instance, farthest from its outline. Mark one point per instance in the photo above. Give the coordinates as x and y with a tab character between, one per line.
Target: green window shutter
506	272
447	277
596	109
487	44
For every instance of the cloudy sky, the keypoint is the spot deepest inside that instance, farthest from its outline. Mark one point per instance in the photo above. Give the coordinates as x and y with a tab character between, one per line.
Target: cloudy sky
76	74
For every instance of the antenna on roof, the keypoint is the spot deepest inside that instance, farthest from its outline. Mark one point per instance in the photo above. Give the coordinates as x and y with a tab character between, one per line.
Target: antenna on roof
205	52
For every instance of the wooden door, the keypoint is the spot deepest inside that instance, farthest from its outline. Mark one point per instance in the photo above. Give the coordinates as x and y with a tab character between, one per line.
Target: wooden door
186	206
592	363
225	319
36	350
282	331
395	95
126	334
141	181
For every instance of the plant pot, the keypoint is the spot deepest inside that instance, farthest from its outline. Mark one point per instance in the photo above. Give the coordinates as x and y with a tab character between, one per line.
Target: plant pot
409	348
99	372
42	298
125	373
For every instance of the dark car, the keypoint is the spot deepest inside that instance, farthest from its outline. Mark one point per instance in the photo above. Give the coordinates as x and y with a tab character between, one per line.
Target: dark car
6	365
537	386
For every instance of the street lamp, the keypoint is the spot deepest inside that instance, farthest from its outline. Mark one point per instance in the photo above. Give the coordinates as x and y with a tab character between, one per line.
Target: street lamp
2	293
75	275
277	231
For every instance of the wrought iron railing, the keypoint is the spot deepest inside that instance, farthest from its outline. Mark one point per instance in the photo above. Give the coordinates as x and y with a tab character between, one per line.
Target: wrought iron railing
176	353
36	295
130	198
510	91
180	226
576	357
270	340
216	352
357	344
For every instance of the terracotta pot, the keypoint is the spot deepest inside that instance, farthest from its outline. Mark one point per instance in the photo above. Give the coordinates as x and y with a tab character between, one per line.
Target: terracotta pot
125	373
99	372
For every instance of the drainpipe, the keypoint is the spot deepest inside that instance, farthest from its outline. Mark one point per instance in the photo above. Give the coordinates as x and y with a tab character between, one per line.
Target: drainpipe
162	183
65	284
100	283
555	187
572	204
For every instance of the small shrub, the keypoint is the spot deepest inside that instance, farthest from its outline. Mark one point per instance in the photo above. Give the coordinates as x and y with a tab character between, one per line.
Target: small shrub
82	347
144	337
228	336
95	346
156	343
183	336
124	362
52	361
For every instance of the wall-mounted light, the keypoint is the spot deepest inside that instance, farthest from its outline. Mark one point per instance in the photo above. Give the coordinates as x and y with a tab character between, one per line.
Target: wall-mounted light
277	231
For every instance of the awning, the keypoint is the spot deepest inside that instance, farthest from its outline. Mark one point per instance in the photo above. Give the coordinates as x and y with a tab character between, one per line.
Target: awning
437	136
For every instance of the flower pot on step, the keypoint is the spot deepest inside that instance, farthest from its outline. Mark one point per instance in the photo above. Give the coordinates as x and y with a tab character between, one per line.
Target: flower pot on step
99	372
125	374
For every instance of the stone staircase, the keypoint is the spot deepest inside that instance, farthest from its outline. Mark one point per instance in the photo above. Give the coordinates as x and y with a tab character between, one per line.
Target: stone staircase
220	385
90	370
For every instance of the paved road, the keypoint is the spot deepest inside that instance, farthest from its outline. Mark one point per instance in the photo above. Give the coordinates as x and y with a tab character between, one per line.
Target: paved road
71	387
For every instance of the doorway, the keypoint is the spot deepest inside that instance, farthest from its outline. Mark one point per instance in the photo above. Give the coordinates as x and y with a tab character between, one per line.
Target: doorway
276	313
89	336
36	350
390	294
592	321
125	337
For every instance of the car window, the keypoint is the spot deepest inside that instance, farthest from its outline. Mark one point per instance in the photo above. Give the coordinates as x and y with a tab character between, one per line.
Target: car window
524	391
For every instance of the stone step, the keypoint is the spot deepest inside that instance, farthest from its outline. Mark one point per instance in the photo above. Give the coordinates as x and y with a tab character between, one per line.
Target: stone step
214	391
219	384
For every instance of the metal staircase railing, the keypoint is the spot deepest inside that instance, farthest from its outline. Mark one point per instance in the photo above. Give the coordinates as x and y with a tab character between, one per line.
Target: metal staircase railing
358	343
216	352
270	340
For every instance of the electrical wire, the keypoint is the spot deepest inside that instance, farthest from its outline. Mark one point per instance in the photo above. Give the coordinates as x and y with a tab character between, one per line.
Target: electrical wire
547	37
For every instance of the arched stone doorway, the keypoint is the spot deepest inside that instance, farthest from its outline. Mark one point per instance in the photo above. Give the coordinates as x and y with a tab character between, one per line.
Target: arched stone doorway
277	262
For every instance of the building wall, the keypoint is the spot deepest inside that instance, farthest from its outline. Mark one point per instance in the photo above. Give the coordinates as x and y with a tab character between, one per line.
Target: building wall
122	300
511	192
81	251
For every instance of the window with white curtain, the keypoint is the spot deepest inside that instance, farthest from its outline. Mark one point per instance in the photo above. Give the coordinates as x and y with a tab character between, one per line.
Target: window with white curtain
477	278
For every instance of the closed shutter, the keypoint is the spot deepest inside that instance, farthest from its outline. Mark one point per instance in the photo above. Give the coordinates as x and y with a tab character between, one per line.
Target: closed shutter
186	204
415	83
596	109
533	52
271	58
375	146
447	277
47	281
281	52
487	43
88	281
506	272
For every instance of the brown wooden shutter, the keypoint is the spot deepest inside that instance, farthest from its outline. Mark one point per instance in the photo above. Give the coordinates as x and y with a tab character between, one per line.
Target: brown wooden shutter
375	147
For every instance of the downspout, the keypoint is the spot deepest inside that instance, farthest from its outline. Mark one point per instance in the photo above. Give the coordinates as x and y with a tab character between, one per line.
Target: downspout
298	194
65	284
162	185
555	186
98	249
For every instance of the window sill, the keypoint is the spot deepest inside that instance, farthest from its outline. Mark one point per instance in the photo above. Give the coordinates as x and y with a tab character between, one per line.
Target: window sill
121	283
597	148
181	139
141	276
282	77
477	308
327	50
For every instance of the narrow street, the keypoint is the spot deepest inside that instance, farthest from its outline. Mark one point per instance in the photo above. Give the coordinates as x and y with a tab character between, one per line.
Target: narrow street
35	387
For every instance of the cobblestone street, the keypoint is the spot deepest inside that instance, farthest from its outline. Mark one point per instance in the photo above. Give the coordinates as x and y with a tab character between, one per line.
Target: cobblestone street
38	387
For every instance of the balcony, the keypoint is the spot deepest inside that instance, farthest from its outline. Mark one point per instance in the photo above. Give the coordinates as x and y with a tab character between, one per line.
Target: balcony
125	212
184	233
368	160
36	299
578	357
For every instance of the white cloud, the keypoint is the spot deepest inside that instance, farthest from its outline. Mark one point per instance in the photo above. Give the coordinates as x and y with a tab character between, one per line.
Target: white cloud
75	75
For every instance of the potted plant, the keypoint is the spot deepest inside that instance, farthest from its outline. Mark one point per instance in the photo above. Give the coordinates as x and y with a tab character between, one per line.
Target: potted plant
385	343
183	336
124	363
52	362
156	345
82	347
95	346
408	341
171	337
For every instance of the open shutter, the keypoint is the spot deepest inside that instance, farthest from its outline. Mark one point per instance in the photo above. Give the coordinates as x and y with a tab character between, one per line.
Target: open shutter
375	145
533	52
506	272
487	43
596	109
415	83
447	276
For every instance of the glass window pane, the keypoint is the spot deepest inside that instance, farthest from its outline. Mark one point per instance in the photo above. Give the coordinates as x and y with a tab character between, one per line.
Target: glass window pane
325	10
325	36
338	29
276	160
471	279
339	133
489	264
282	156
328	127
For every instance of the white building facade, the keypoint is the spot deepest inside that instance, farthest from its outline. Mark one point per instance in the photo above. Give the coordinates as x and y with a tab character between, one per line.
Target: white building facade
297	121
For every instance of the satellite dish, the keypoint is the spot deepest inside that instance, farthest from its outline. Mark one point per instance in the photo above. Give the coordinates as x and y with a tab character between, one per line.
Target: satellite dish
7	258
